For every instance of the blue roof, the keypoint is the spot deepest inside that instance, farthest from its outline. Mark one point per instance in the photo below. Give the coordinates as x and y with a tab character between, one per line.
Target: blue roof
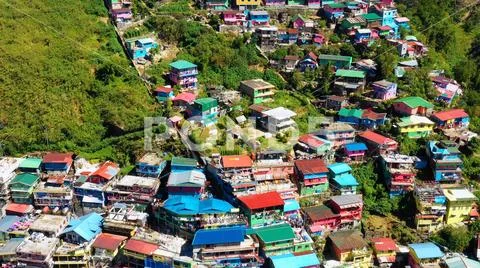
346	180
291	205
357	146
339	168
219	236
426	250
291	261
146	40
192	205
461	262
87	226
7	222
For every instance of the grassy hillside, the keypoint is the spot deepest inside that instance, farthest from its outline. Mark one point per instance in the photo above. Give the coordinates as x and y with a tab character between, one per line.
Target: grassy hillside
64	79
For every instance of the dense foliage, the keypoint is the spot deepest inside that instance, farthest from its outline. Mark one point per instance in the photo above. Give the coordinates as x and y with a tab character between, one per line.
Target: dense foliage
65	81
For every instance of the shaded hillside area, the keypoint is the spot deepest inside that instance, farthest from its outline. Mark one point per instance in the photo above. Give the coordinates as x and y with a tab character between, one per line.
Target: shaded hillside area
65	82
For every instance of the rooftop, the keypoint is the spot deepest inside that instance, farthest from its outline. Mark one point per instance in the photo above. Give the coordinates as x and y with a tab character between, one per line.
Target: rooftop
186	178
107	170
275	233
350	73
384	244
280	113
257	84
58	158
414	102
87	226
450	114
236	161
8	165
152	159
183	162
109	241
312	140
141	247
321	212
38	244
356	146
11	246
348	240
226	235
339	168
334	57
25	178
459	194
144	182
426	250
182	64
290	260
264	200
310	166
48	223
375	137
346	180
347	200
190	205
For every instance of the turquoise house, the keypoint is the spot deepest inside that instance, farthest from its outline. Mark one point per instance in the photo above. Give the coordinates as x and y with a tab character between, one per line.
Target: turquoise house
341	178
139	48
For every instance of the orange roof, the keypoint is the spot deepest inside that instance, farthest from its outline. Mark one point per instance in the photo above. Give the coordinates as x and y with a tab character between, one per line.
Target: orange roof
141	247
18	208
236	161
265	200
107	170
384	244
450	114
375	137
108	241
58	158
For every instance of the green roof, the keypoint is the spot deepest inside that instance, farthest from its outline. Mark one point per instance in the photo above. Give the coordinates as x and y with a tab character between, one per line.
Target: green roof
31	163
350	73
206	103
414	102
183	161
350	112
371	16
25	178
182	64
276	233
336	5
334	57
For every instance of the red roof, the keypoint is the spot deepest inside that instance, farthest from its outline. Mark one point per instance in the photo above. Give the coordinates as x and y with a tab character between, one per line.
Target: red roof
312	56
384	244
109	241
107	170
58	179
311	166
58	158
141	247
236	161
311	140
164	89
265	200
375	137
450	114
373	115
15	208
186	97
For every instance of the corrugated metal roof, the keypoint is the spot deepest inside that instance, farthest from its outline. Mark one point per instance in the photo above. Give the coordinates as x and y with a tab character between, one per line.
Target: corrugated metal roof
275	233
191	205
25	178
141	247
182	64
219	236
31	163
345	180
109	241
87	226
292	261
264	200
7	222
414	102
338	168
356	146
426	250
310	166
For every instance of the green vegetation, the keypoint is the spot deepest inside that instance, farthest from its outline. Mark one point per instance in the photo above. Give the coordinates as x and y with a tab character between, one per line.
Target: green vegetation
66	83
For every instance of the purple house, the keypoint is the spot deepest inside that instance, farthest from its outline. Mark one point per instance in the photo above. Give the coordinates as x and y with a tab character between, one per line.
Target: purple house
299	22
384	90
355	152
274	2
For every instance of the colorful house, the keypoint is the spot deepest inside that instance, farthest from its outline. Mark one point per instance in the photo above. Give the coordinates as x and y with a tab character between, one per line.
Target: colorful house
258	17
290	37
348	81
413	106
455	118
22	186
445	161
337	133
276	239
294	260
164	93
308	62
107	246
355	152
184	100
204	110
335	102
289	62
267	37
150	165
424	255
334	11
187	182
248	4
137	251
83	230
299	22
403	22
30	165
415	126
399	173
133	189
321	220
225	246
184	74
262	209
362	118
431	207
363	35
350	249
57	162
311	176
339	62
53	195
384	90
234	18
258	90
278	119
459	205
349	207
372	20
105	173
314	145
274	3
384	250
139	48
341	178
377	143
447	89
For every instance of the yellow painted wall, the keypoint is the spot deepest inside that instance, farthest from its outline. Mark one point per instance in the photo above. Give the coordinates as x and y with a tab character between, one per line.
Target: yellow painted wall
415	128
248	2
458	211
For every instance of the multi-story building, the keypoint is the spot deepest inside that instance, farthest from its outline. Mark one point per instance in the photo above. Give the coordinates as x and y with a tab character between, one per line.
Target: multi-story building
22	186
431	207
52	195
384	90
341	179
321	220
349	207
262	209
37	251
311	176
399	173
348	81
424	255
267	37
133	189
455	118
445	161
106	247
376	143
362	118
124	219
90	195
139	48
459	205
186	182
185	214
355	152
8	166
31	165
184	74
314	145
258	90
272	171
204	111
415	126
385	251
55	163
278	119
258	17
413	106
276	239
49	225
337	133
227	246
150	165
350	249
105	173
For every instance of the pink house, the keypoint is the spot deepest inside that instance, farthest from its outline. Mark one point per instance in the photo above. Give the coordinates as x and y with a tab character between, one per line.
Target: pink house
234	18
313	4
321	219
413	106
299	22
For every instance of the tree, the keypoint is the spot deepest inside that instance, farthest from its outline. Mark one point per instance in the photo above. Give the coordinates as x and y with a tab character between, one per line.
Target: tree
455	239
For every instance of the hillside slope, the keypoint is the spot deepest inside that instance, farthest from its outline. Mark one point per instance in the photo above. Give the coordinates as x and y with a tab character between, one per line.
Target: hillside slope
64	79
